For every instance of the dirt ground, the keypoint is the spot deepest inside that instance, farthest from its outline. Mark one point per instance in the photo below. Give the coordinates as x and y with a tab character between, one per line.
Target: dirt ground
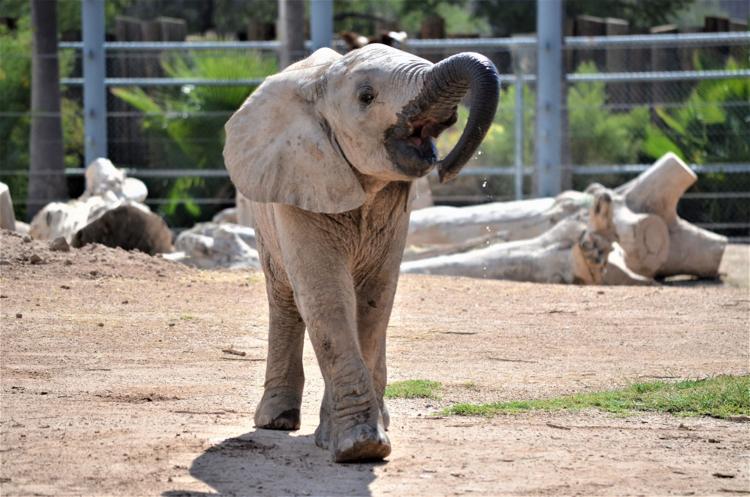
114	383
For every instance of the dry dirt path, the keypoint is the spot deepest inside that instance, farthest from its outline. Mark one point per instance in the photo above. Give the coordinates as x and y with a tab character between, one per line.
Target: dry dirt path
114	383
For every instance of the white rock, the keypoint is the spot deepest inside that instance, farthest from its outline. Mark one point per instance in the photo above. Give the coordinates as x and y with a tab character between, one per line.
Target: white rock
106	188
226	216
194	244
7	216
212	229
211	245
64	219
134	189
102	176
22	228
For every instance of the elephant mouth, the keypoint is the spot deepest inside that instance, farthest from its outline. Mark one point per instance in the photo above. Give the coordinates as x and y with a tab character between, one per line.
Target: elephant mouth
412	144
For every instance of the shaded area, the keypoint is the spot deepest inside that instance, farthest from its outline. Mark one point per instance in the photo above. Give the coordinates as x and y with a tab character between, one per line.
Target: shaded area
266	462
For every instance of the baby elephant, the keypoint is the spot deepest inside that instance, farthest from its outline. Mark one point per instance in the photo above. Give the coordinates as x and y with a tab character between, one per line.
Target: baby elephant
327	151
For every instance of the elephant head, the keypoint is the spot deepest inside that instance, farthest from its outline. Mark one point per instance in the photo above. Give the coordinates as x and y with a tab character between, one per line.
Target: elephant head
311	134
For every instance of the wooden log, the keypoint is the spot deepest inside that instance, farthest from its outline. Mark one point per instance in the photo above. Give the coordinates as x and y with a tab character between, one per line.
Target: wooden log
658	189
417	252
692	250
517	220
617	271
644	238
574	251
443	230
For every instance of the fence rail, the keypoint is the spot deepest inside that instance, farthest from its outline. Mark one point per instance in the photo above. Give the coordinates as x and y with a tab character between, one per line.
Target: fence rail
513	49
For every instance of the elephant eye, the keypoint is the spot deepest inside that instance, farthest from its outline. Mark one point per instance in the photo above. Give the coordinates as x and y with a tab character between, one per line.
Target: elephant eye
366	96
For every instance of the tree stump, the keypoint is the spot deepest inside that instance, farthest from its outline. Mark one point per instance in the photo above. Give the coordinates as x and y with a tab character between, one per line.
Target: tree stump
692	250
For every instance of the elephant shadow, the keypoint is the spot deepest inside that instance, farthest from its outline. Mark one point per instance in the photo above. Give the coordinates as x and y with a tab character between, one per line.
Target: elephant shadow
265	462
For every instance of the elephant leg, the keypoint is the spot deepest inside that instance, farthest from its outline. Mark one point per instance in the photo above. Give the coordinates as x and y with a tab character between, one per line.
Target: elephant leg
374	305
352	428
351	425
279	409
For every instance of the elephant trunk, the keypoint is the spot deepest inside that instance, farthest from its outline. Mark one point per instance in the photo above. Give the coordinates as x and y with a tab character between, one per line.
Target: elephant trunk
446	84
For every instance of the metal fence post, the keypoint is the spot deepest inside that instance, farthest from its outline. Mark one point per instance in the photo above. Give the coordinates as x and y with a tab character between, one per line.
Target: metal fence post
520	126
94	74
519	136
548	143
321	23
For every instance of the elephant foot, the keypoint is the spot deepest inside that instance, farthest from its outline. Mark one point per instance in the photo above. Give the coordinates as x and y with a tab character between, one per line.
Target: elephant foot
386	416
362	442
278	410
323	435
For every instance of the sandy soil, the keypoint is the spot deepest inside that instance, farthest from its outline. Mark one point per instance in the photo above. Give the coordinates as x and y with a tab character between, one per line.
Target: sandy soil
114	383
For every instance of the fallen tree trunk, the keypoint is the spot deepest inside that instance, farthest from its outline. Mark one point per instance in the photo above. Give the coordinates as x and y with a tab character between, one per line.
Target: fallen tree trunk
655	241
574	251
692	250
517	220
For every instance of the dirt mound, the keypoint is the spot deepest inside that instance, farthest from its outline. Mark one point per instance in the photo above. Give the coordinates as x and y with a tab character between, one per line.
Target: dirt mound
22	255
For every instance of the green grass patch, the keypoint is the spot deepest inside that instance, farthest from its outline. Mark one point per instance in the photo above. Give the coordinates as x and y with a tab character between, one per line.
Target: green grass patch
720	397
413	389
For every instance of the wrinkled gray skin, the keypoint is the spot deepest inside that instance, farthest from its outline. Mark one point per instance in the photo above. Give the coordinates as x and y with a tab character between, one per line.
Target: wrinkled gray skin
326	151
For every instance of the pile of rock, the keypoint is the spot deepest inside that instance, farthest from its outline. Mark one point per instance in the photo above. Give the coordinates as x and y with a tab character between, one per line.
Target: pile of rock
218	244
106	188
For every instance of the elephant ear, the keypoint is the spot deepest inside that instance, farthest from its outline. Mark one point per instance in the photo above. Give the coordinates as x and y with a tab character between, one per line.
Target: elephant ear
279	150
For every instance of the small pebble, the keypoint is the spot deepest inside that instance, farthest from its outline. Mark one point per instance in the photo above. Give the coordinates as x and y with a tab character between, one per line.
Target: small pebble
35	259
101	325
59	244
26	239
19	315
68	262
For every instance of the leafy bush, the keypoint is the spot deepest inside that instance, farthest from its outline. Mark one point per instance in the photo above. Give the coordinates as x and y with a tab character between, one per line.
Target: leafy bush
711	126
187	124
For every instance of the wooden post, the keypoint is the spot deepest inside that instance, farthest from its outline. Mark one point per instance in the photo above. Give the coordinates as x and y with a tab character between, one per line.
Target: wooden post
664	59
46	167
291	31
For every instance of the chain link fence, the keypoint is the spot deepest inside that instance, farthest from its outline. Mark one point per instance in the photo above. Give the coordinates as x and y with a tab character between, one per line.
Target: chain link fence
629	99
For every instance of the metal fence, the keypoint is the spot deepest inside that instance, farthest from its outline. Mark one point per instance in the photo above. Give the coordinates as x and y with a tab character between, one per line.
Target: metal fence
627	96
